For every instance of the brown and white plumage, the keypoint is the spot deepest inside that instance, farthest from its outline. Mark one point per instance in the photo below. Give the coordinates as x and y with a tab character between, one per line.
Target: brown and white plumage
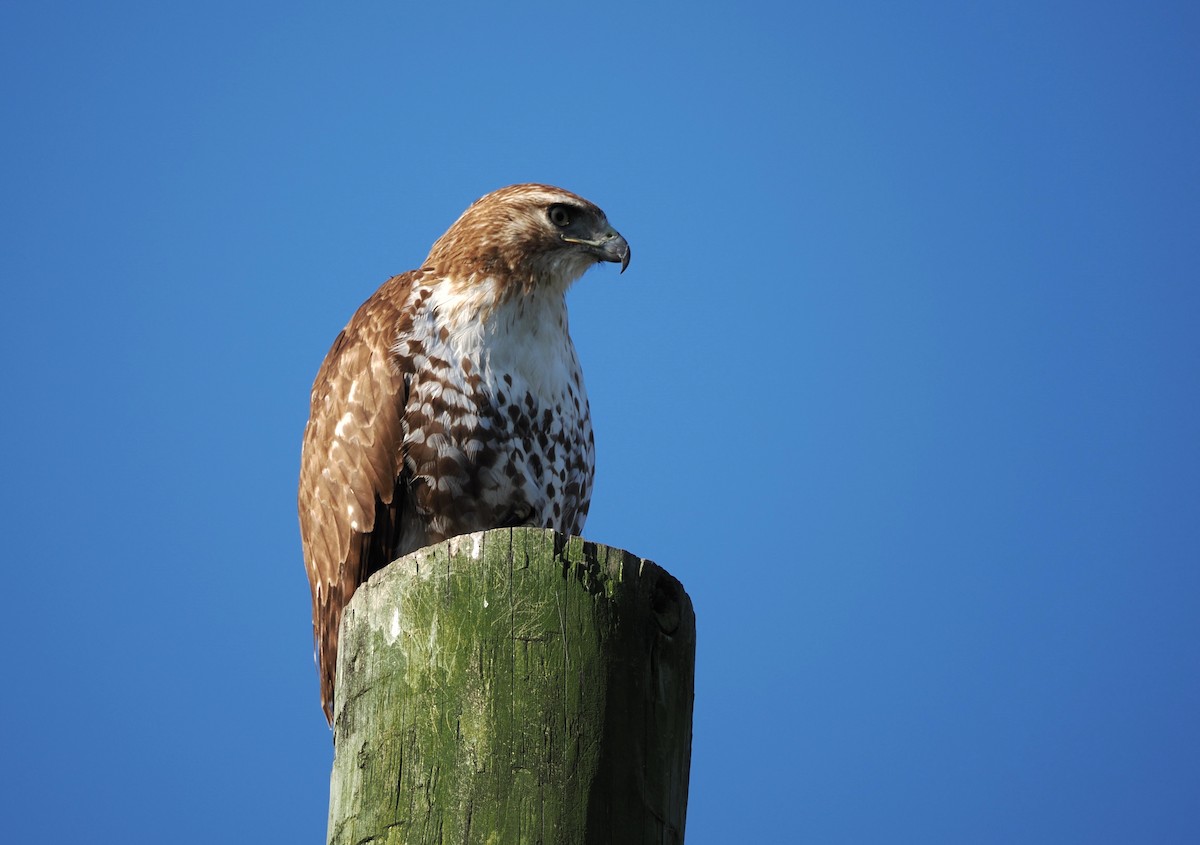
453	400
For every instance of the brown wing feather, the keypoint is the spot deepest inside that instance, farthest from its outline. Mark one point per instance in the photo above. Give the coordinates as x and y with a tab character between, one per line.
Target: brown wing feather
351	466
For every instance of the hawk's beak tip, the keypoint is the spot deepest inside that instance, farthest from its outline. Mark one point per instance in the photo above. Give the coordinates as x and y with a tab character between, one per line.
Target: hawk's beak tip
617	250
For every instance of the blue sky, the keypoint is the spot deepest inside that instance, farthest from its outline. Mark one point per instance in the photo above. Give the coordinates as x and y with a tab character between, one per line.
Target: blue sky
903	383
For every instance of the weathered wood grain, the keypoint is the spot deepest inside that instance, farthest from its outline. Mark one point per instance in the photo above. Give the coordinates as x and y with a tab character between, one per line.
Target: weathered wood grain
514	686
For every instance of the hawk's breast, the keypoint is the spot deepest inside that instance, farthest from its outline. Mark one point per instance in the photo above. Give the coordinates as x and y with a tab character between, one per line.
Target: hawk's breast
496	426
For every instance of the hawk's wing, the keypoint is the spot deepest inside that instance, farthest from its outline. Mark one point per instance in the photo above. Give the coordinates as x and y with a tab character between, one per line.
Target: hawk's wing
351	466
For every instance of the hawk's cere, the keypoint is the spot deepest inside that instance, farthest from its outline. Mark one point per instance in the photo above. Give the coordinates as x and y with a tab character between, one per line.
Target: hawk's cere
453	400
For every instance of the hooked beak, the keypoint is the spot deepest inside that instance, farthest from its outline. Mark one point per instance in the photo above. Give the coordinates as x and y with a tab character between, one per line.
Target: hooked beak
608	247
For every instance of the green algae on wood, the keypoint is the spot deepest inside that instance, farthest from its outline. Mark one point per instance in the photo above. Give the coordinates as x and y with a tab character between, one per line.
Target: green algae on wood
514	686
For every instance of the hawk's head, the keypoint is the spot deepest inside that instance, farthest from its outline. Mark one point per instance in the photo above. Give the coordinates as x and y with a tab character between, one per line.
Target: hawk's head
526	237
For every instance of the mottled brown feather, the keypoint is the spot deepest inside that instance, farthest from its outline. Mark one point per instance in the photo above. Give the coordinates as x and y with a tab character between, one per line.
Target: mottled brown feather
361	468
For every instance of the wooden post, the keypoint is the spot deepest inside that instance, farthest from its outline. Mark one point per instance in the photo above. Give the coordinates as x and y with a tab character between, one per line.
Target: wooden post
514	686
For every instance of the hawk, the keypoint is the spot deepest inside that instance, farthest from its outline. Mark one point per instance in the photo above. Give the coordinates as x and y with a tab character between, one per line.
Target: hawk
453	400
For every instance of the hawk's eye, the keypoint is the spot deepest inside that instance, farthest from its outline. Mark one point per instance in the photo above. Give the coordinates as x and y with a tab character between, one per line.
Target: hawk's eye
560	216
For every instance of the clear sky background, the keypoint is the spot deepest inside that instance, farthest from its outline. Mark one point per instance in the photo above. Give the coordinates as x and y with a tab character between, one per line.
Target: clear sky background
903	384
